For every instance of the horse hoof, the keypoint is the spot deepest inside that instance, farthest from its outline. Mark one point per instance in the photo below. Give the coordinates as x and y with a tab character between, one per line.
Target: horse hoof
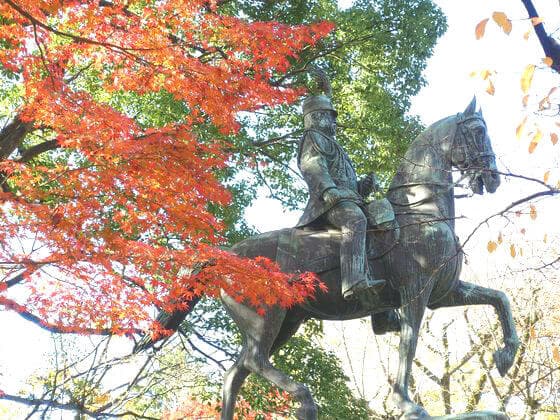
504	360
415	412
307	412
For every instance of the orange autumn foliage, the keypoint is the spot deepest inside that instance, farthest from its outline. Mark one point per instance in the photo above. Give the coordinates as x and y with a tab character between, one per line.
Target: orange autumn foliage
109	230
279	401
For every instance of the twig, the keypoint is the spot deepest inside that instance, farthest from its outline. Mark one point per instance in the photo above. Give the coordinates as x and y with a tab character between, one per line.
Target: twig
514	204
71	406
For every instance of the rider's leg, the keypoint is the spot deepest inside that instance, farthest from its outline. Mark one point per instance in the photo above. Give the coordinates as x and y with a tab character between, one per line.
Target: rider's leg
350	219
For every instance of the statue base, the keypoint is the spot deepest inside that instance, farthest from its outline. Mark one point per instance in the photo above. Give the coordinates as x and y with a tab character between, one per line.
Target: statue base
475	415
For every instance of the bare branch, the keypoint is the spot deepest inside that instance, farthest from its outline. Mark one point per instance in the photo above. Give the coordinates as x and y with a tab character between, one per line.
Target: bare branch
71	406
549	192
280	139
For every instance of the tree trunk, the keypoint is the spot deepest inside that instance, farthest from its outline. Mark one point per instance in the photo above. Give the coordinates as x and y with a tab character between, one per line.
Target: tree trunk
12	136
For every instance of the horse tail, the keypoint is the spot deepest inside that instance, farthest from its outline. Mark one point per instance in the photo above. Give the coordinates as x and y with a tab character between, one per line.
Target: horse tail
169	321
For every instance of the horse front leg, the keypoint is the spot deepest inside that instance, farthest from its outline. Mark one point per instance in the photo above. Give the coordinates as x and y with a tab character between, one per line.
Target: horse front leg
470	294
411	314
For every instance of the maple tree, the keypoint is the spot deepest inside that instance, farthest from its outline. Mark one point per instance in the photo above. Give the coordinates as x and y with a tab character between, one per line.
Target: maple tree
101	212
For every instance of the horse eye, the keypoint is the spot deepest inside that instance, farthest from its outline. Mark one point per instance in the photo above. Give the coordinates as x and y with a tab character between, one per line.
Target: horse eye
479	132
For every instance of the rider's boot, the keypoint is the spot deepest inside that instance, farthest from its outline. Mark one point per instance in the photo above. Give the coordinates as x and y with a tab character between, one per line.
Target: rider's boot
368	285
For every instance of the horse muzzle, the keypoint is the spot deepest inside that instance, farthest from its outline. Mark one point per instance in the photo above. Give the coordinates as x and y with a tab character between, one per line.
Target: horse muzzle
487	179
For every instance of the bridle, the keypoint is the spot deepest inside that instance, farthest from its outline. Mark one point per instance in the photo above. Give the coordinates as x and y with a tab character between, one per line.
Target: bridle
475	154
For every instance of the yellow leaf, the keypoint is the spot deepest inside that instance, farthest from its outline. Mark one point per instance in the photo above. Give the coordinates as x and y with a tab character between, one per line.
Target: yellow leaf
520	127
502	20
490	88
554	138
536	20
533	212
548	61
544	103
532	332
473	74
525	101
521	251
556	354
545	239
480	28
491	247
546	176
512	251
500	238
535	141
485	74
527	77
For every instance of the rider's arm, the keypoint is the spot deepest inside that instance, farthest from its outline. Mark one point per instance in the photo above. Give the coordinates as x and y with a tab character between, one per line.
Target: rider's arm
313	164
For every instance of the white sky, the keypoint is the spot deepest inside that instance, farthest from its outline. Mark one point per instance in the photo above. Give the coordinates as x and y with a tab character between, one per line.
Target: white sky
449	90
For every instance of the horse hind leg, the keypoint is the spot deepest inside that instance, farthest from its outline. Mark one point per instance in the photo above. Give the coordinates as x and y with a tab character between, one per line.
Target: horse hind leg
411	314
470	294
260	364
261	332
233	380
258	361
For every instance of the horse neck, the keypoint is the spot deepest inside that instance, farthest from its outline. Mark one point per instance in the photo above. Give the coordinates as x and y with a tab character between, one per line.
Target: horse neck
423	184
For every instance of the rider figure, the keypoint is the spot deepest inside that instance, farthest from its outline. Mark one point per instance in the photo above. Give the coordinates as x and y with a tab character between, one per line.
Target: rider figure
336	196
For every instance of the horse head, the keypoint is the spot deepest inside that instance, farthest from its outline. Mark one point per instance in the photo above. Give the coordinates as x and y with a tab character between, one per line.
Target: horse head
472	151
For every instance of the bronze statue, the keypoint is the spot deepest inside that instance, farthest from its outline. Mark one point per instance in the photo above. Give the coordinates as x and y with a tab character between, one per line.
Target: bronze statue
336	197
422	266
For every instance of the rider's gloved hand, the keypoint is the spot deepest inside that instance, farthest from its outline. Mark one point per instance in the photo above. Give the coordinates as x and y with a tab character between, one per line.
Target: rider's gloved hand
334	195
368	185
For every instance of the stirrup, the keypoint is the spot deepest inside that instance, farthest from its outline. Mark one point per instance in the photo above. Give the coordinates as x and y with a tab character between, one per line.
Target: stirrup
373	285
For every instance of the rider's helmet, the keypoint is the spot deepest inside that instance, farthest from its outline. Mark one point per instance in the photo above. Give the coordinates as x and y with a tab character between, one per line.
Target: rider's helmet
317	103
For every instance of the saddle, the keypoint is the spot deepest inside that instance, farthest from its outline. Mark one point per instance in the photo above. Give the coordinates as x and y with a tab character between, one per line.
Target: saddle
317	248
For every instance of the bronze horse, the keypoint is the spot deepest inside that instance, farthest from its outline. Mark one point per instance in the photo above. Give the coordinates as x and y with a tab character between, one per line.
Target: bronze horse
422	268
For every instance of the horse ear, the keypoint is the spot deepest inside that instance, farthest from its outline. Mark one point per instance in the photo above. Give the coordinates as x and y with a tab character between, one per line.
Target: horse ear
471	109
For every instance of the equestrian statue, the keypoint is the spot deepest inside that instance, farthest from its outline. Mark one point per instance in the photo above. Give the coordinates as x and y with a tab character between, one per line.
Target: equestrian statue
389	259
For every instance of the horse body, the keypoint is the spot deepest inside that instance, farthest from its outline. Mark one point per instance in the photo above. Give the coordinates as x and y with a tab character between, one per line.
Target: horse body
422	268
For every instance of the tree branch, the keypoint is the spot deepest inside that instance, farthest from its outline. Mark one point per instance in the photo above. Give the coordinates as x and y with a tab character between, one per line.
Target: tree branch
76	38
280	139
12	135
36	150
71	406
25	314
550	46
549	192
